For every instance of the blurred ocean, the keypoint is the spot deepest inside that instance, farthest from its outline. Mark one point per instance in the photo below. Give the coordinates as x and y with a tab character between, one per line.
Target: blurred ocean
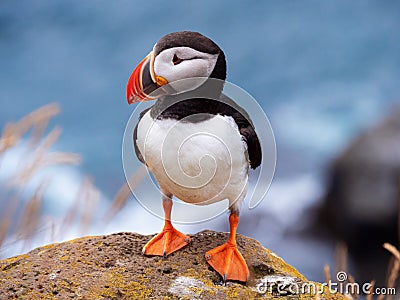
321	70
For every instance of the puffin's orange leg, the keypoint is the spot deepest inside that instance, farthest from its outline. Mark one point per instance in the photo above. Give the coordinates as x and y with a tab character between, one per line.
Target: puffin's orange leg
169	239
226	259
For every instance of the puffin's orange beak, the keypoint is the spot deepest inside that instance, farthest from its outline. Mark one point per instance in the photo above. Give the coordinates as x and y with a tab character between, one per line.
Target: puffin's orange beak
143	81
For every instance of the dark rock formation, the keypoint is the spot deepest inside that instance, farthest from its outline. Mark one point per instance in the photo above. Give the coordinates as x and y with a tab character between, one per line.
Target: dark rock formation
112	267
361	204
365	178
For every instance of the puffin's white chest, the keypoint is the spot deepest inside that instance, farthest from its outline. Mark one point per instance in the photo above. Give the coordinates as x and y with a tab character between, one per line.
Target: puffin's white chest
199	163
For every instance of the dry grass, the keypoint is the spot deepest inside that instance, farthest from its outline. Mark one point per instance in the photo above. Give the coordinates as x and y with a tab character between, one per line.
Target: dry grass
32	131
36	120
122	195
30	218
341	257
90	196
341	265
327	273
6	219
31	128
393	268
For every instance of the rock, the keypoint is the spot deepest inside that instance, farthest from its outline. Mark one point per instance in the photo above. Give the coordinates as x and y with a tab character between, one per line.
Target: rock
361	202
112	267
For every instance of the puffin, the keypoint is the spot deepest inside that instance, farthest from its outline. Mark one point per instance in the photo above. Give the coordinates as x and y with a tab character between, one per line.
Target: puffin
193	129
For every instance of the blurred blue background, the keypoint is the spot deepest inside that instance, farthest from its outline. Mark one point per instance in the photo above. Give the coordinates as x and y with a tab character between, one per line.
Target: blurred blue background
321	70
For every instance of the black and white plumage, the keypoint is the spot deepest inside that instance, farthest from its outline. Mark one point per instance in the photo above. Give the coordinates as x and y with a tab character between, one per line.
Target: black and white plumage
198	143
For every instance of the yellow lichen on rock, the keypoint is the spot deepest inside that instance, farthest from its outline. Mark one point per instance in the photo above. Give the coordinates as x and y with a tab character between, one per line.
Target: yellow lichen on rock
112	267
116	285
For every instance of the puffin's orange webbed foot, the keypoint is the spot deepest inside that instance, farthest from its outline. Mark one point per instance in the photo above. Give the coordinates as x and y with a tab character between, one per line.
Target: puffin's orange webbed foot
228	262
167	241
226	259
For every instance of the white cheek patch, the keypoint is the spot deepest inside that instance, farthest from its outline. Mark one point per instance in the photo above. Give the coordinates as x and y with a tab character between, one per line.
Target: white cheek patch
194	64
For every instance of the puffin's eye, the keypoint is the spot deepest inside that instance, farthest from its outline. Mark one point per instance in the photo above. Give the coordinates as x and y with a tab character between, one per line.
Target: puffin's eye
176	60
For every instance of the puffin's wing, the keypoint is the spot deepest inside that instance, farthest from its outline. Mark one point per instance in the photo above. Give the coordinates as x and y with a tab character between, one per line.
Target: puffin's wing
246	129
137	151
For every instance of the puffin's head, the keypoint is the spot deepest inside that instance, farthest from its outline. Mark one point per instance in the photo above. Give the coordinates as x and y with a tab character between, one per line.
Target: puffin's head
176	56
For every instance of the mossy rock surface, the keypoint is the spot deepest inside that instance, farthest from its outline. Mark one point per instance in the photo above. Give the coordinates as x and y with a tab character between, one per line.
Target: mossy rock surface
112	267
